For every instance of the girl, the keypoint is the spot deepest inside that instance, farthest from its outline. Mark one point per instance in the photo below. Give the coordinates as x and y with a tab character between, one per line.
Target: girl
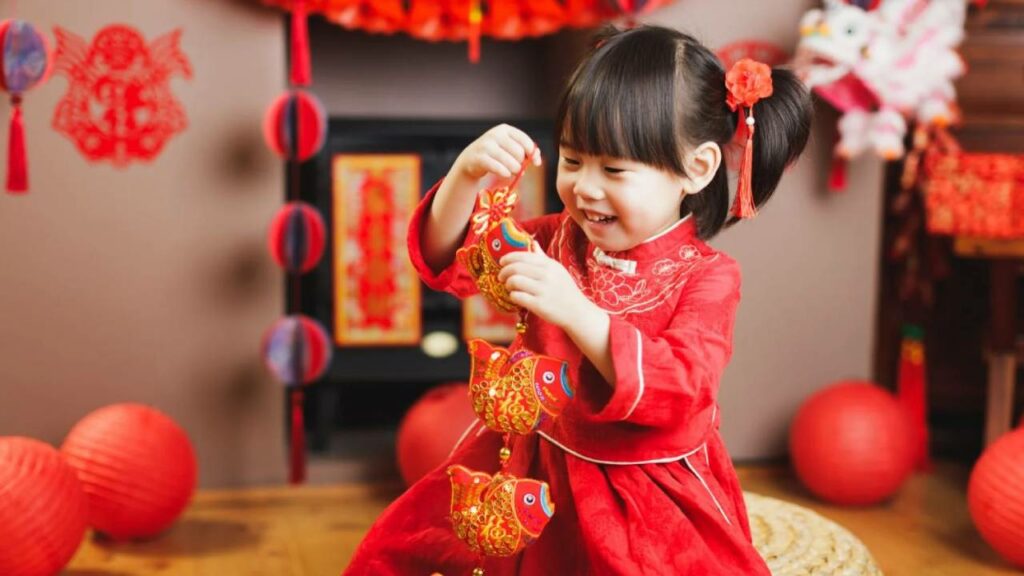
624	288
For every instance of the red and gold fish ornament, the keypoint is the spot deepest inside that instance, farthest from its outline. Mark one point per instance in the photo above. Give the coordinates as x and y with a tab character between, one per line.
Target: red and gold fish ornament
513	392
497	235
498	515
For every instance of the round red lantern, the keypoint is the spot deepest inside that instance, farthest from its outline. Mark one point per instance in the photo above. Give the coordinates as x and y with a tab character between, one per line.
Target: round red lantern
295	126
297	237
431	428
850	444
137	467
995	496
296	350
42	508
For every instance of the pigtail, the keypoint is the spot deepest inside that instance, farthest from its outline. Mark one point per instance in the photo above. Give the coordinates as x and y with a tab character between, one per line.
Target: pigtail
782	128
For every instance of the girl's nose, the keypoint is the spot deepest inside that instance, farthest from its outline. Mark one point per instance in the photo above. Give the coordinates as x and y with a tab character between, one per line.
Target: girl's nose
587	188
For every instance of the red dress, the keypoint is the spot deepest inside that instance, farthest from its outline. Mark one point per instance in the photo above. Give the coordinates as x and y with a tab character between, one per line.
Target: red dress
640	478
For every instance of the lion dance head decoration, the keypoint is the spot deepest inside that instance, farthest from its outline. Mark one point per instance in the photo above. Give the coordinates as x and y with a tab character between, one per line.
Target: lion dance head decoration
883	63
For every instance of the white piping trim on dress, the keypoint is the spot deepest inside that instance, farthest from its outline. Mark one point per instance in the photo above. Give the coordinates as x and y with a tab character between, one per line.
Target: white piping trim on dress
463	437
640	373
705	484
611	463
669	229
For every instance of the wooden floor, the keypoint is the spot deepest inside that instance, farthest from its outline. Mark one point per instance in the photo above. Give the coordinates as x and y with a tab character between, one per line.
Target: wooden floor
312	531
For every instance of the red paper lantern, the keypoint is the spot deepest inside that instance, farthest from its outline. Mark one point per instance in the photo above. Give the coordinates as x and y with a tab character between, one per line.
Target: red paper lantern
296	350
297	237
431	428
42	508
851	444
995	496
295	126
137	466
24	63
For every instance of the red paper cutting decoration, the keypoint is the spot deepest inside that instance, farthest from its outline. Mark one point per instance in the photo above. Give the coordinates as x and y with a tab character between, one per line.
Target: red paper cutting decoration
295	126
377	289
25	63
119	106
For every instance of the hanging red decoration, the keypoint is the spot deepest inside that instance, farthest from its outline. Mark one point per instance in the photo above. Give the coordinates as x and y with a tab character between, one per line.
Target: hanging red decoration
515	19
295	125
119	106
25	63
297	237
380	16
912	392
301	65
296	350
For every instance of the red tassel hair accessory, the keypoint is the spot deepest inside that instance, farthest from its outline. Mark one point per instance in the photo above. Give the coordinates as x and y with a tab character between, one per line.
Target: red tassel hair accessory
747	82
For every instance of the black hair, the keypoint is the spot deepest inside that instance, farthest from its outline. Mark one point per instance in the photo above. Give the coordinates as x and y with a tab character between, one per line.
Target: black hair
650	93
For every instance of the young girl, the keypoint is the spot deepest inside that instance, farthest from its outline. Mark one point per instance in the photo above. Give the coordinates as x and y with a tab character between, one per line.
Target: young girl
623	287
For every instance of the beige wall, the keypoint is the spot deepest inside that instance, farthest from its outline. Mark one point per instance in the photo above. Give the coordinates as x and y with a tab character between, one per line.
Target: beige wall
151	283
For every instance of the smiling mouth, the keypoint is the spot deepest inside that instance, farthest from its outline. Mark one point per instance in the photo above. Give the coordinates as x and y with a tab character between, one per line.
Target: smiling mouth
598	218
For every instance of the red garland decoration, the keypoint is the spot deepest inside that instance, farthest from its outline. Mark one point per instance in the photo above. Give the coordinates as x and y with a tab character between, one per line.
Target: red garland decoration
128	79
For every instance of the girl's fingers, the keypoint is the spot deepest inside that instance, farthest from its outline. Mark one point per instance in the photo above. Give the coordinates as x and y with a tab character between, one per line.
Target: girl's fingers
522	299
495	167
527	143
514	148
520	283
520	269
494	150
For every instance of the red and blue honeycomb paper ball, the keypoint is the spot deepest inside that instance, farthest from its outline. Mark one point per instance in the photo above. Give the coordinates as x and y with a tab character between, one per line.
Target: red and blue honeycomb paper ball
42	508
26	56
295	126
296	350
137	467
297	237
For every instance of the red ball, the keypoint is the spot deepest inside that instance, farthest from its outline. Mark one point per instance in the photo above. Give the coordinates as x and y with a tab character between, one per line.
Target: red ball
295	126
431	428
297	237
296	350
850	444
995	496
137	466
42	508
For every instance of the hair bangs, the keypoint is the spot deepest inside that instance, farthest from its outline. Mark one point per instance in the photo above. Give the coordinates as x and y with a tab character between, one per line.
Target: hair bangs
620	103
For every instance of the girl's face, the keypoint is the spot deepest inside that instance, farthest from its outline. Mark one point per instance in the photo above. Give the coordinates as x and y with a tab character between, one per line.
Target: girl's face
618	203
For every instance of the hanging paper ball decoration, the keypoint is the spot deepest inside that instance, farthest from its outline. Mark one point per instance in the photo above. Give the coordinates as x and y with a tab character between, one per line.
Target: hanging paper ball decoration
297	237
42	508
995	496
296	350
25	62
137	467
431	429
295	126
850	444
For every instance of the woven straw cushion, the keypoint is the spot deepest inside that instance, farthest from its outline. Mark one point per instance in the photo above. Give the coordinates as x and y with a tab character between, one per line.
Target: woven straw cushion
795	541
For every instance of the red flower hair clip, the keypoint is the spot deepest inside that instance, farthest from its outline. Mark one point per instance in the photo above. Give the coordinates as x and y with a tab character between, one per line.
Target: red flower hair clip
747	82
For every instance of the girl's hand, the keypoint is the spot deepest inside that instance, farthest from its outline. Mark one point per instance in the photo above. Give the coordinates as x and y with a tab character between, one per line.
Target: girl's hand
501	151
544	287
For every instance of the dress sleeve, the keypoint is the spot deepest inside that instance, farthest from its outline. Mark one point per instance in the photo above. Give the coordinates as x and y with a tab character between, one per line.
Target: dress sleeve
454	279
669	378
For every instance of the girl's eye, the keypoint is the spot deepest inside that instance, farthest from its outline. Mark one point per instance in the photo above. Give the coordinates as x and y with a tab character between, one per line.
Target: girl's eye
611	170
570	161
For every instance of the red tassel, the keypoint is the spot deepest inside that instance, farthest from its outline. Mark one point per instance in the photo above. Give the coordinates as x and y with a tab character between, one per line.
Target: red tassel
837	175
298	447
301	73
475	20
743	206
912	392
17	160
